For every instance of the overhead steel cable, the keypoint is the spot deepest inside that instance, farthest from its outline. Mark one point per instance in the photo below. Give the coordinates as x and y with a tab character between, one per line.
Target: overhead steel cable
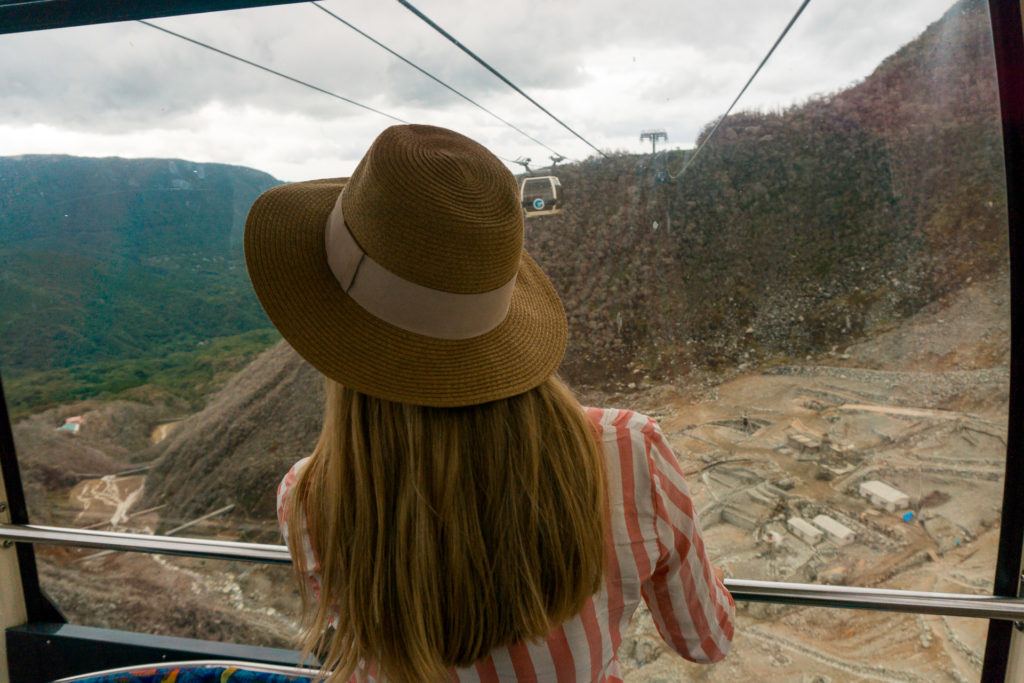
271	71
409	6
687	164
433	77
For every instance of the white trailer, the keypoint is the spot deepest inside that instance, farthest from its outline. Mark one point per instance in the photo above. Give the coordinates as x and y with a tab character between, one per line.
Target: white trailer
884	496
837	532
804	530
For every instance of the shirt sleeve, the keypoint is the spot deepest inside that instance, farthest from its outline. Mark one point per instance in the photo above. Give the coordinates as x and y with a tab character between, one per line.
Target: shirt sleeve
692	608
285	514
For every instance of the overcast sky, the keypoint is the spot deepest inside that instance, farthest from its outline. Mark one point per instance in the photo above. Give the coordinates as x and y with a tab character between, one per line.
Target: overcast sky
607	68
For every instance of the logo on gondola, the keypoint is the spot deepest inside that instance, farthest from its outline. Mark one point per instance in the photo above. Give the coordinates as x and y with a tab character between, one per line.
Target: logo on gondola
538	203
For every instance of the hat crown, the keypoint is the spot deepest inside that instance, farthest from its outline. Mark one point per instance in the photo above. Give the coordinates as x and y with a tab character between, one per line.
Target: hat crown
437	209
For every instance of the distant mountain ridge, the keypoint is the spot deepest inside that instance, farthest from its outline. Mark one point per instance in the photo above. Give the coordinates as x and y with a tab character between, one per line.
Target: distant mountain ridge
105	259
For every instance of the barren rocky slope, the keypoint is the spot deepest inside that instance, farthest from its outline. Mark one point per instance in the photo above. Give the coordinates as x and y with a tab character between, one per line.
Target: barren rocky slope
249	434
794	230
53	460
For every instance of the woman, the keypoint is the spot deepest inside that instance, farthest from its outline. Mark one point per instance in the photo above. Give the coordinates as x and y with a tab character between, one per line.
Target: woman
461	515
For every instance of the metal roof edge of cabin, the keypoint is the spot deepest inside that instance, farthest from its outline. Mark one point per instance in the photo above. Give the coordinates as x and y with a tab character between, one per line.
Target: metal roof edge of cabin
17	16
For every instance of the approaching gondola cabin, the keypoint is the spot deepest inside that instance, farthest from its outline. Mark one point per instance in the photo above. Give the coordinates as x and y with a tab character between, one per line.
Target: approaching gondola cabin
541	196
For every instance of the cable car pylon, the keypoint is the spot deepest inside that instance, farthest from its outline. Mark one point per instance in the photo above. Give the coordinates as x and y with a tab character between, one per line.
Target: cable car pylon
653	134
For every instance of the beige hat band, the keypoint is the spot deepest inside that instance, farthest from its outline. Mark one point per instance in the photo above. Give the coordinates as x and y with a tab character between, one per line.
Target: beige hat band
405	304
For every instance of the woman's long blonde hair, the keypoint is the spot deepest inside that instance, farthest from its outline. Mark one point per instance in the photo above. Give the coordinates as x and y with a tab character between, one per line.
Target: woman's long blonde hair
443	533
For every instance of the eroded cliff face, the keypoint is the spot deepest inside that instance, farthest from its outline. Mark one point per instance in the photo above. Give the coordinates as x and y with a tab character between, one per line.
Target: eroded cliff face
239	446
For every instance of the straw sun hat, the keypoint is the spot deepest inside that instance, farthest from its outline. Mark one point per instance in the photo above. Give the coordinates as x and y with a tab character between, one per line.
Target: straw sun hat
408	281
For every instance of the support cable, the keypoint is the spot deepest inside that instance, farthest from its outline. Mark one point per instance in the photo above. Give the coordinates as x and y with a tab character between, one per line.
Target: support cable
432	77
409	6
271	71
687	164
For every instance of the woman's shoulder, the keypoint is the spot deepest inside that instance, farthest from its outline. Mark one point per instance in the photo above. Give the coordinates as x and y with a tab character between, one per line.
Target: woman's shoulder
286	485
641	467
616	421
628	434
293	473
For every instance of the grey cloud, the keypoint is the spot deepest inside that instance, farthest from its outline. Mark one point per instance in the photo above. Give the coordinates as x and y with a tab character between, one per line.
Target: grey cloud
692	57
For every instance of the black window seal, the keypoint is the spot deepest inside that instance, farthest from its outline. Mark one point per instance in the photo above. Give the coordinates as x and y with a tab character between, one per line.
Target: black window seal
37	605
1008	43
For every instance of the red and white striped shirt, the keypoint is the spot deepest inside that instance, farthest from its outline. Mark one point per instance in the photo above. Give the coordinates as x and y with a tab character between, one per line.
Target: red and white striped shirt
655	553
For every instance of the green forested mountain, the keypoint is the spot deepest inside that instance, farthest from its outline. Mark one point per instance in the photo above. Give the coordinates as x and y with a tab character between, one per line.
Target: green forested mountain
103	260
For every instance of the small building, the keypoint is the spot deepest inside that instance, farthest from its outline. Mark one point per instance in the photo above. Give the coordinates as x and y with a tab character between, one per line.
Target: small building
739	517
839	533
835	447
844	449
804	530
837	470
803	442
884	496
72	424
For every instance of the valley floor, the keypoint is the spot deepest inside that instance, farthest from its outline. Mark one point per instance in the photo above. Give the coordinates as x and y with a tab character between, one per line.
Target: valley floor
920	407
746	480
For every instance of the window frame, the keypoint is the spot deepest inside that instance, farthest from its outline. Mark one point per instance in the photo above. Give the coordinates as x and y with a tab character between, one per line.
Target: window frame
1008	40
1008	43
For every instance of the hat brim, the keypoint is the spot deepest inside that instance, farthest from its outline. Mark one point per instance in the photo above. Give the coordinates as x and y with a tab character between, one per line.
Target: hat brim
287	263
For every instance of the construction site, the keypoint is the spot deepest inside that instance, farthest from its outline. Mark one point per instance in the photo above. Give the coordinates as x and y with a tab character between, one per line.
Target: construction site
817	477
879	465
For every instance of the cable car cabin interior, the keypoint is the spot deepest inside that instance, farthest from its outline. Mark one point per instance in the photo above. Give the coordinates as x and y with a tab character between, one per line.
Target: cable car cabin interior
841	273
541	196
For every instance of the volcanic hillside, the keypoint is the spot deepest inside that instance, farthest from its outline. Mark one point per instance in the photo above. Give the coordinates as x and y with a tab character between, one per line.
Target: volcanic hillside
53	461
795	232
251	432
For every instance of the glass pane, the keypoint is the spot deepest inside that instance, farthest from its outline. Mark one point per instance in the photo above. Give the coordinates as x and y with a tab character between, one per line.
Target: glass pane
258	605
855	326
236	602
798	645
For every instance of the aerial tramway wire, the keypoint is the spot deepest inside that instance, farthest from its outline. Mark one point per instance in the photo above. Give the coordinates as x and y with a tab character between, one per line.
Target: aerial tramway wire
409	6
434	78
272	71
707	139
